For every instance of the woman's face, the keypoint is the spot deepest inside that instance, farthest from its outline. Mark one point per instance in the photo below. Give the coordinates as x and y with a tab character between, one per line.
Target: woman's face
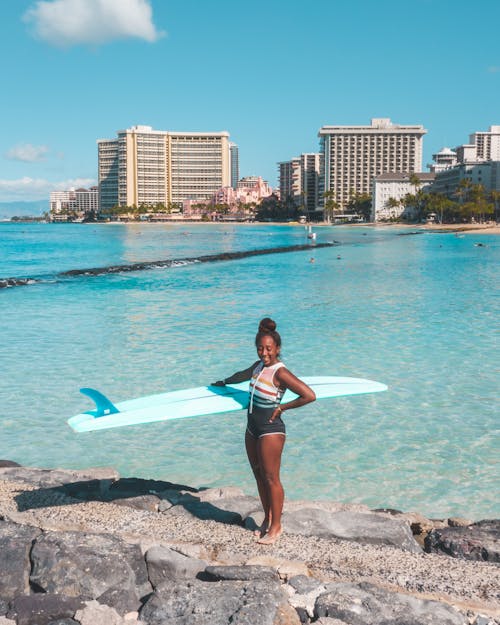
267	350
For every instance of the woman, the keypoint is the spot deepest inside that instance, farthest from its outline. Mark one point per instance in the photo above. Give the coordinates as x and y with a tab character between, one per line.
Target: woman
265	433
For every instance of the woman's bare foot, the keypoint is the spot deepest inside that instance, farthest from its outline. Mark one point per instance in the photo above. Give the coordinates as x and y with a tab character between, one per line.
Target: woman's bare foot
269	538
262	530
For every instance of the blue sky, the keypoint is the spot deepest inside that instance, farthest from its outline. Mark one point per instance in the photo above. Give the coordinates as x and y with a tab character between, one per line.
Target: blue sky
271	73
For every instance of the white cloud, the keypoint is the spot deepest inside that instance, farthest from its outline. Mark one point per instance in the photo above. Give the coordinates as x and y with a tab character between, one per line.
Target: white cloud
27	188
65	23
27	152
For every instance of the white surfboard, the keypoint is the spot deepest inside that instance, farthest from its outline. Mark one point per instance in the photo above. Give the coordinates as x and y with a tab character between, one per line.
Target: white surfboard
203	400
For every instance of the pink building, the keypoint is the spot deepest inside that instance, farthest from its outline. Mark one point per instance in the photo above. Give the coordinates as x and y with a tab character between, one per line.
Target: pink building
252	189
249	190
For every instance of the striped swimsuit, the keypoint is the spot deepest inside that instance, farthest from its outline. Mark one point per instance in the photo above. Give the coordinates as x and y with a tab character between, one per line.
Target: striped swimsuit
264	398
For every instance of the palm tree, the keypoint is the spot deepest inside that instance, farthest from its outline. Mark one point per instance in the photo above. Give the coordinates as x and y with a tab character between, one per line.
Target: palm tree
331	206
393	204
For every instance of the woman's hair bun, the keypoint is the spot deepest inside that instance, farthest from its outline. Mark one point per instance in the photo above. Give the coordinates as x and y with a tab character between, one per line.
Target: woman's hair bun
267	325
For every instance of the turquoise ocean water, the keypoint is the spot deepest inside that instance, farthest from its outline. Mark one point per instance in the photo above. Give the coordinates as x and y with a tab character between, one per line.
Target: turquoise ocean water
418	312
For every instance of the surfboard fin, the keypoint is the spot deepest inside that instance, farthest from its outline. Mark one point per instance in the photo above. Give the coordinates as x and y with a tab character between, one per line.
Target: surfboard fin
103	405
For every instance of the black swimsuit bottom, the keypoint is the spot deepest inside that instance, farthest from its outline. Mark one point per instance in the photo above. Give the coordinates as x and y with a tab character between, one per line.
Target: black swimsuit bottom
258	422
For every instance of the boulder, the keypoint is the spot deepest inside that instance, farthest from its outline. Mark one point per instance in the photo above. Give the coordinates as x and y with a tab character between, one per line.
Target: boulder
285	568
216	494
4	606
203	510
133	487
47	478
222	603
165	564
369	528
241	506
479	541
43	608
241	573
96	614
15	546
8	463
304	602
367	604
87	565
141	502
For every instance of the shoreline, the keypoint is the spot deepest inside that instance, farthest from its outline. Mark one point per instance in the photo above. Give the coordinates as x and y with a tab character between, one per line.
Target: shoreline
488	228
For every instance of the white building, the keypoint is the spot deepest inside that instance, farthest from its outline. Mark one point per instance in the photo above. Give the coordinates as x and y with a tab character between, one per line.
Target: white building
486	173
482	146
389	190
146	167
62	202
353	155
443	159
73	203
87	200
487	144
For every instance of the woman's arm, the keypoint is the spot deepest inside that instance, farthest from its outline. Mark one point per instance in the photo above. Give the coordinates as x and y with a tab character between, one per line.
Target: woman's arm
239	376
285	379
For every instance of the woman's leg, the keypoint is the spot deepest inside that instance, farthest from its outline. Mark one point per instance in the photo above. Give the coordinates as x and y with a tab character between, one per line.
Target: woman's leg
269	450
251	445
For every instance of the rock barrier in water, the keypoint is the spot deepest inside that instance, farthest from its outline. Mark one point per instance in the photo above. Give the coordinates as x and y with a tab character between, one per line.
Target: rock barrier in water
159	264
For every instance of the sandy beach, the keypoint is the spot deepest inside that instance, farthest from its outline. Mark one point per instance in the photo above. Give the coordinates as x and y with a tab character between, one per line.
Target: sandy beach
489	228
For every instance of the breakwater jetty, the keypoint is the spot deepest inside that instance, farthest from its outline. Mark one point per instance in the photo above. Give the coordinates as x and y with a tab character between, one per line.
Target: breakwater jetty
160	264
90	547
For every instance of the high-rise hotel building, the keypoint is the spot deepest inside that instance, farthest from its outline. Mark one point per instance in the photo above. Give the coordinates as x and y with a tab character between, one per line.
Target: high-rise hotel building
351	156
299	180
148	167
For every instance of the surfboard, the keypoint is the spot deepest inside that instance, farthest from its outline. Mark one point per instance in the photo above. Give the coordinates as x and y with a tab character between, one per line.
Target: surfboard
203	400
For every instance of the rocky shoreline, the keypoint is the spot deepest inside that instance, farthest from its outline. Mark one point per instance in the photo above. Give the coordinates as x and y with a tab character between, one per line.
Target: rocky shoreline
91	548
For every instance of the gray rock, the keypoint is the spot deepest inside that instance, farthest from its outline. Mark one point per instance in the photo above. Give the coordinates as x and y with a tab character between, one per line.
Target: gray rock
87	565
141	502
243	506
479	541
41	609
4	606
46	478
219	603
96	614
369	528
206	510
366	604
203	510
241	573
303	584
216	494
165	564
15	547
121	600
8	463
135	487
63	621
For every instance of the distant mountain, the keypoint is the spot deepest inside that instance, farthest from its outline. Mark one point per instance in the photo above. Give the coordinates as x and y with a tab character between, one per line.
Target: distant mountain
34	208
